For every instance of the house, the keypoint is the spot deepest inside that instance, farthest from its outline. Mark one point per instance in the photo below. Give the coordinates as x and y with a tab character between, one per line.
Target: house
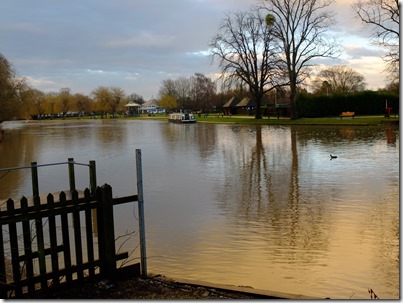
151	107
277	105
229	108
246	106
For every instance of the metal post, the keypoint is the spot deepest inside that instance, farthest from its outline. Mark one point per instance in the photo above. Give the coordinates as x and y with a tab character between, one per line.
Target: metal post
142	231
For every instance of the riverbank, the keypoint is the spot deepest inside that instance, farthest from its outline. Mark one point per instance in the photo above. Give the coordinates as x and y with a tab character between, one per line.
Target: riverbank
239	119
374	120
160	288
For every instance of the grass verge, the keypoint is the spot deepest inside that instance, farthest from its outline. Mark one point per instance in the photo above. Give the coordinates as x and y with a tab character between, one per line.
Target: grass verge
358	120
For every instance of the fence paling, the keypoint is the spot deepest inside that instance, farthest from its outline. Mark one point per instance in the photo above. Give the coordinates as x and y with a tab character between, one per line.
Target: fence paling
3	278
106	247
12	228
53	240
66	238
77	238
97	205
89	234
27	244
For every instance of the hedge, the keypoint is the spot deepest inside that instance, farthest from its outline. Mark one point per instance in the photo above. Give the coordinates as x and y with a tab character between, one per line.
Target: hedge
362	103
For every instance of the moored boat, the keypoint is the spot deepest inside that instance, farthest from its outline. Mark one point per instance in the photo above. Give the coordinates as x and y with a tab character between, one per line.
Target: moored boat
182	118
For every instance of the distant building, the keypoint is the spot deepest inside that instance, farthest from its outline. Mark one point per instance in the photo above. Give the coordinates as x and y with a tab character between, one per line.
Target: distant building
276	104
151	107
132	108
246	106
229	108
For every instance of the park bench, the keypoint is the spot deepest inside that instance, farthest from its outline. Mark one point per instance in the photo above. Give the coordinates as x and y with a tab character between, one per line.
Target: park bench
347	114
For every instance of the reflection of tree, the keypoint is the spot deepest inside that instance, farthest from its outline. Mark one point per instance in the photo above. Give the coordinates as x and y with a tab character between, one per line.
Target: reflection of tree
391	136
112	133
263	185
386	240
180	137
17	150
294	187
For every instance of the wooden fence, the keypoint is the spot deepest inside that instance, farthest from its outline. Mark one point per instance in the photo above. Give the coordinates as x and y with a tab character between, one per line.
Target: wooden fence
38	251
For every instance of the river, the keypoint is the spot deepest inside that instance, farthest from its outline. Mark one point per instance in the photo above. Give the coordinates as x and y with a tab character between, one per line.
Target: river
258	206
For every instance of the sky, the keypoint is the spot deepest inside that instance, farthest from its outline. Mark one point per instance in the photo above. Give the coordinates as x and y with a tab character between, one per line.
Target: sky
136	44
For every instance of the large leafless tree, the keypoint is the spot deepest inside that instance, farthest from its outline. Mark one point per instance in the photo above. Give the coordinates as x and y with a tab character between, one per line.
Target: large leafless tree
339	79
203	90
194	93
246	50
382	17
301	26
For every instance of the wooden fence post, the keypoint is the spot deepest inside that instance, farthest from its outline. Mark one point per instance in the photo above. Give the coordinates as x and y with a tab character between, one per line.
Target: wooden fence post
35	182
93	178
72	179
106	231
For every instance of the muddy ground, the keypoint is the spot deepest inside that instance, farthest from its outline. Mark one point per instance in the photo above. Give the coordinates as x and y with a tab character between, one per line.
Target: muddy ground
154	288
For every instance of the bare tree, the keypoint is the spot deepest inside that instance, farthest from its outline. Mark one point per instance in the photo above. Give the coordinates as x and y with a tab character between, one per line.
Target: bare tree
203	90
182	93
301	26
339	79
167	88
179	89
382	17
136	98
246	49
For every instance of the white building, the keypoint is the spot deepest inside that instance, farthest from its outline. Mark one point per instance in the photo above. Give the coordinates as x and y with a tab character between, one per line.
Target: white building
151	107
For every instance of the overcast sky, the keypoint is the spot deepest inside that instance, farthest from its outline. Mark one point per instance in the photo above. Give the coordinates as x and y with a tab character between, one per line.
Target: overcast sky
135	44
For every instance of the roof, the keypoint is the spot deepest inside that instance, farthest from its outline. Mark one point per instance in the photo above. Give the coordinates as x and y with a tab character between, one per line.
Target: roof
132	104
151	102
231	102
246	102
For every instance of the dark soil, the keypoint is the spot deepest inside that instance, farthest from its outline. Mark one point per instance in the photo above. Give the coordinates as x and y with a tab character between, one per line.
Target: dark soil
154	288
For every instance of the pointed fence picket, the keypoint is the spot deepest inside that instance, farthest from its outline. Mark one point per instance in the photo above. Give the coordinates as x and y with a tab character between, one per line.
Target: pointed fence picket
37	249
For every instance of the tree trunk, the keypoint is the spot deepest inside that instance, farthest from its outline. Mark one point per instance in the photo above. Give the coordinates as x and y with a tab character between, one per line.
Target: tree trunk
293	101
258	114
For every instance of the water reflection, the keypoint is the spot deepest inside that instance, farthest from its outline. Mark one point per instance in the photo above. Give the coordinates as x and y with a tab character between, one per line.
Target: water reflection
247	205
270	193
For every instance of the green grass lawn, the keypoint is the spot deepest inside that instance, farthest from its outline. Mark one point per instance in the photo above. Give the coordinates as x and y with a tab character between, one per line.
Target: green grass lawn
358	120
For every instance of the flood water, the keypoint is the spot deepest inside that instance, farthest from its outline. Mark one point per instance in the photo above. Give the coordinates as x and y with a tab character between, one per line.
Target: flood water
258	206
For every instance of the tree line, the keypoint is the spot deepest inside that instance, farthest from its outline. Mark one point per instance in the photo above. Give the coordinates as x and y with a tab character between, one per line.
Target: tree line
274	46
278	43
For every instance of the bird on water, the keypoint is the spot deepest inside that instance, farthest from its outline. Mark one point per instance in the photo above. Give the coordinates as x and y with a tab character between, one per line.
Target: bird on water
333	157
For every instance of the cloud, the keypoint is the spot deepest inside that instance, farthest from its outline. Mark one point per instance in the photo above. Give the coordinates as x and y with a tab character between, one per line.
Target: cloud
142	40
132	44
359	52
